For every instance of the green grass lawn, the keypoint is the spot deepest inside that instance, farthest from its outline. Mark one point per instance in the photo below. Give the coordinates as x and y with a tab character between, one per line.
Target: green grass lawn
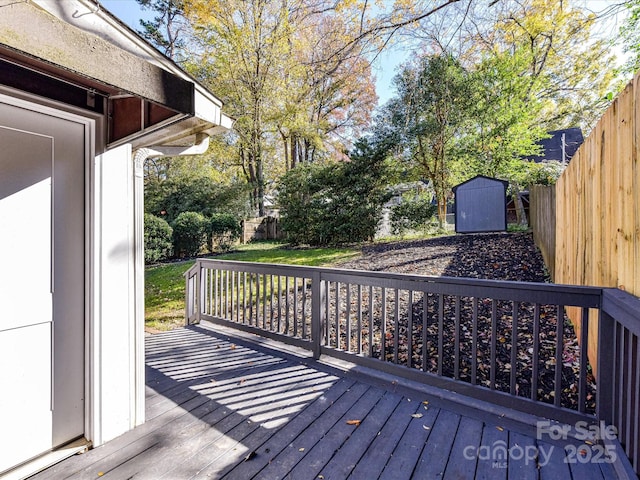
165	284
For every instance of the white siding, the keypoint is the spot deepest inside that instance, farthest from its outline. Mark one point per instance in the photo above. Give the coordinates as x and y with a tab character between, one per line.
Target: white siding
114	353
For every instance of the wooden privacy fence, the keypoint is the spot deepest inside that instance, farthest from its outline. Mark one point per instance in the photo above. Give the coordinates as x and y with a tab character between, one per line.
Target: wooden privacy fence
597	207
507	343
598	202
542	217
260	228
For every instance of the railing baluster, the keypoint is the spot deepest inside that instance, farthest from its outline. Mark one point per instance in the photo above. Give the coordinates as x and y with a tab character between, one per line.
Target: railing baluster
286	305
279	326
440	332
226	294
209	275
371	320
304	307
359	319
629	369
536	352
264	301
217	294
557	388
474	341
514	347
383	327
295	306
494	332
425	313
251	298
584	360
396	327
456	340
348	317
410	330
635	452
238	289
271	288
327	312
337	309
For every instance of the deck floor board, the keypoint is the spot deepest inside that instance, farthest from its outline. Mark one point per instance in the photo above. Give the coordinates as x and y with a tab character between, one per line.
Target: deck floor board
223	407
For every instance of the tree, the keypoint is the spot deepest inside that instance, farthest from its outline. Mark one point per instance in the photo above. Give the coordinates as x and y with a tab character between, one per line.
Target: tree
168	29
568	65
295	70
335	203
428	115
630	33
194	192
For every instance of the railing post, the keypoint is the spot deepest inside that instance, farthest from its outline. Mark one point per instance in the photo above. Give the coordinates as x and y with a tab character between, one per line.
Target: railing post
199	293
318	293
606	365
193	294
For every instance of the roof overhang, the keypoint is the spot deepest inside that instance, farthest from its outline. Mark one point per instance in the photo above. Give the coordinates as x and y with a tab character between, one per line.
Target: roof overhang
76	52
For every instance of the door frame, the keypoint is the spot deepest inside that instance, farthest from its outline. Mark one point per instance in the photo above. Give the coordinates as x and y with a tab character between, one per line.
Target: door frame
93	127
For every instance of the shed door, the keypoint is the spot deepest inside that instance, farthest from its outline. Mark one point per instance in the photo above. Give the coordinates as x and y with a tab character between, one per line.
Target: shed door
41	282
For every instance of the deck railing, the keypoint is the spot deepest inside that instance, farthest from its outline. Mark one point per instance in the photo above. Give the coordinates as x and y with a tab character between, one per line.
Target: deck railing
508	343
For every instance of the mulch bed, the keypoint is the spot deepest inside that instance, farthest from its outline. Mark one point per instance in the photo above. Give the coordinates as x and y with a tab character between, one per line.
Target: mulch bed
488	256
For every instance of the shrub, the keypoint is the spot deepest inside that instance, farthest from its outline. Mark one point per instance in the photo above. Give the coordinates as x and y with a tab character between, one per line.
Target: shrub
335	204
194	192
189	234
157	239
224	229
415	212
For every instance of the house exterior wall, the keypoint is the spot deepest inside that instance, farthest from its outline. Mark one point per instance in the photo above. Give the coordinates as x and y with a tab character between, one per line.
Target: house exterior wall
115	354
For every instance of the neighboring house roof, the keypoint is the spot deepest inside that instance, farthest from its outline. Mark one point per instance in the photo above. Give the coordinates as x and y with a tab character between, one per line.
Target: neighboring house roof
567	140
92	60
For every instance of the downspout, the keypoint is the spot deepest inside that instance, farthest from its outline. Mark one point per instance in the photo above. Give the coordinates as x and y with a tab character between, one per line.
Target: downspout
198	148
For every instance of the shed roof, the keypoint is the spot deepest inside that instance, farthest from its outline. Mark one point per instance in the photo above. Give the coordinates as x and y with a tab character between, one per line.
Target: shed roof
479	177
80	45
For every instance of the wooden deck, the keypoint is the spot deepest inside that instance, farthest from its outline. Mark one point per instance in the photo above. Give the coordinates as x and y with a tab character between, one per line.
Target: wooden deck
221	406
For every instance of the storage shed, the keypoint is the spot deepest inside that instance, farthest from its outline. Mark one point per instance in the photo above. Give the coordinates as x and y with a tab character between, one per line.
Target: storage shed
480	205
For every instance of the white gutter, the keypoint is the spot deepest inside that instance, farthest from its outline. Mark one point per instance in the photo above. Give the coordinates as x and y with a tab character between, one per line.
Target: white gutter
200	147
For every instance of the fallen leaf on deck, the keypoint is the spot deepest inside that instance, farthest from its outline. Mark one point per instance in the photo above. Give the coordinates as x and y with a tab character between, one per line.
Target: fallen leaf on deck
250	456
353	422
500	428
417	415
301	449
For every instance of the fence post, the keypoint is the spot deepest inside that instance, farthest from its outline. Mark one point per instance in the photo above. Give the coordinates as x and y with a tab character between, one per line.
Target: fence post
606	367
317	312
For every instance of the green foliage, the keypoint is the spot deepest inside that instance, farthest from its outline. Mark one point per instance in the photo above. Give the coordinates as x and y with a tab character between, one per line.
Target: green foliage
337	203
224	229
157	239
415	212
164	31
546	173
428	116
194	192
630	33
189	234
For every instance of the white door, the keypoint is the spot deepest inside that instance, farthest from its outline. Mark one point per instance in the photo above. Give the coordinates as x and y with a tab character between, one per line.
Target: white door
42	158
